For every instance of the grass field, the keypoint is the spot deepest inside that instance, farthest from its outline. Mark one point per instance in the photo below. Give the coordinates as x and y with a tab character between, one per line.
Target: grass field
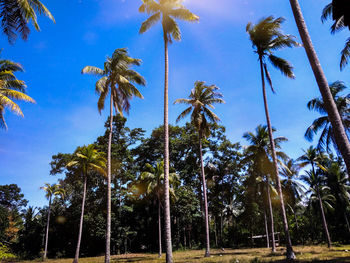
304	254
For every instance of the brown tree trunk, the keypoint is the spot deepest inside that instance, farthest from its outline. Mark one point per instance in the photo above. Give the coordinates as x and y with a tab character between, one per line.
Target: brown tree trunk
273	242
324	222
167	224
159	229
206	216
266	230
340	136
347	222
109	175
290	253
76	258
47	230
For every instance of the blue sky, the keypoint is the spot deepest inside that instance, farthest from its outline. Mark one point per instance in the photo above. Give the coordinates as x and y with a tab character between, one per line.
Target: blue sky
216	50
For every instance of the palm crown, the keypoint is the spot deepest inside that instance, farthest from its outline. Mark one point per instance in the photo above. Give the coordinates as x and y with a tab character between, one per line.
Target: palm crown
117	72
53	190
167	11
200	103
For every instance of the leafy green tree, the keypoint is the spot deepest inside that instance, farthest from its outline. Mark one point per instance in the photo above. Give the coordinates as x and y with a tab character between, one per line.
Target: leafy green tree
86	159
167	11
200	101
117	80
11	89
50	190
15	16
323	123
266	37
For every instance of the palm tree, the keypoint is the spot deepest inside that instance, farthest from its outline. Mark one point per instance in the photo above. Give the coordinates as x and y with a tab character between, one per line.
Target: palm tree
311	157
51	190
154	184
15	16
200	101
340	135
337	10
11	89
323	123
259	153
167	11
267	37
117	80
86	160
319	192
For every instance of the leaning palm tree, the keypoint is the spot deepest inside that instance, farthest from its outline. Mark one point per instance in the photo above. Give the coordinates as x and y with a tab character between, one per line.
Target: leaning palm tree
323	123
15	16
267	37
86	159
117	80
167	11
51	190
154	185
200	101
11	89
340	135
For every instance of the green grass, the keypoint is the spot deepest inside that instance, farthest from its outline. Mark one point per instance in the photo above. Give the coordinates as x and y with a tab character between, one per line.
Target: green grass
304	254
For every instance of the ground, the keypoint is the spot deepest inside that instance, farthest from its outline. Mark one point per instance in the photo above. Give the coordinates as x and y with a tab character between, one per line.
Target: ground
304	254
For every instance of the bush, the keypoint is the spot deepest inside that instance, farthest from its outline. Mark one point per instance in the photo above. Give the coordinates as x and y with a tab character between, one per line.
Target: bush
5	253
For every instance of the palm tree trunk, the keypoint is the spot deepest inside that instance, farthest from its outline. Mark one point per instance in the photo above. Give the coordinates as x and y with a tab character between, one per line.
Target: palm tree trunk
206	216
159	229
324	222
266	230
47	229
290	253
347	222
108	226
81	222
167	225
340	136
273	242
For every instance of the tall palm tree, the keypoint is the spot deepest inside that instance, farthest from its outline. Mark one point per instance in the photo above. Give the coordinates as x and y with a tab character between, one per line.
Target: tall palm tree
167	11
51	190
86	160
311	157
340	135
15	16
117	80
323	123
338	11
266	37
154	184
200	103
259	153
319	192
11	89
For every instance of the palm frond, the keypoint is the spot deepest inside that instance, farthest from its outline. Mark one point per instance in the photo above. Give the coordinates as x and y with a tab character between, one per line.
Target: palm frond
283	65
152	20
345	55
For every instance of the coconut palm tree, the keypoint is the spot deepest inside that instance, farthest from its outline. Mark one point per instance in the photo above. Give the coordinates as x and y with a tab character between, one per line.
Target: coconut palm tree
15	16
259	153
167	11
118	81
51	190
200	103
86	159
320	193
154	185
340	135
11	89
311	157
323	123
266	37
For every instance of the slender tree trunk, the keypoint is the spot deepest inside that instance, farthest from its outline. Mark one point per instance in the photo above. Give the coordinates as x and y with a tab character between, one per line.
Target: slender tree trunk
221	230
290	253
340	136
81	221
297	225
159	229
347	222
167	224
206	216
324	222
47	229
109	175
271	216
215	232
266	230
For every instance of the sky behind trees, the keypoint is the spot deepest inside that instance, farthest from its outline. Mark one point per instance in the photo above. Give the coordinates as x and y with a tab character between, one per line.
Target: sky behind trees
215	50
